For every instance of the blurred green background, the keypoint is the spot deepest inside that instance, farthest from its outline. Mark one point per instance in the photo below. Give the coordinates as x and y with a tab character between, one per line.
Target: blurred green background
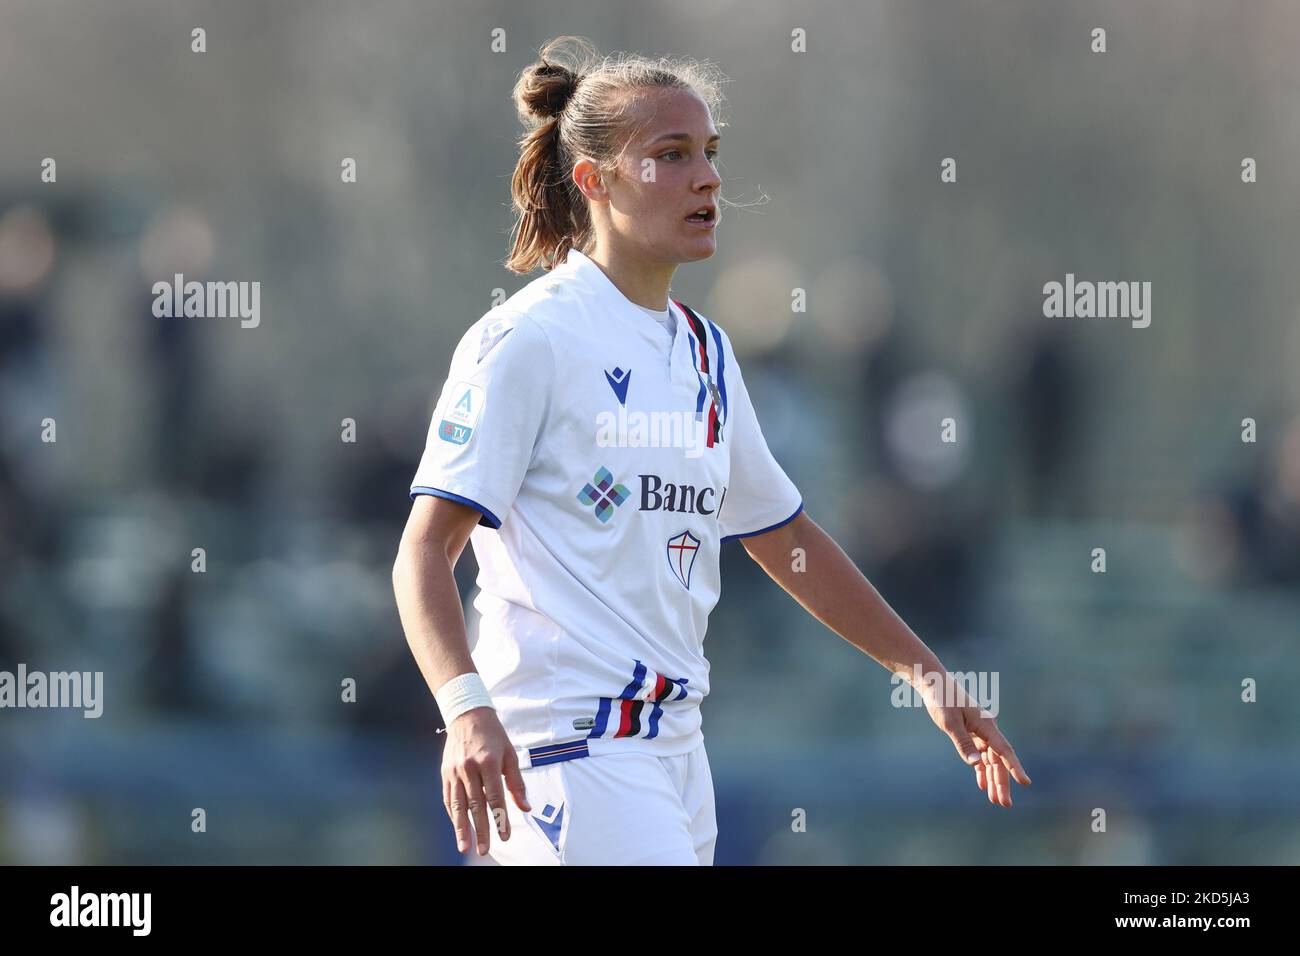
1120	690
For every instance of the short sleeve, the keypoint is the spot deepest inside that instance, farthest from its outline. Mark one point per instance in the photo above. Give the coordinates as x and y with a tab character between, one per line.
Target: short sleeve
760	496
489	417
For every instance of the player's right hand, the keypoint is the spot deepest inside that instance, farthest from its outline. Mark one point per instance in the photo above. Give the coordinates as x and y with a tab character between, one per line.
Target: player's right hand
478	754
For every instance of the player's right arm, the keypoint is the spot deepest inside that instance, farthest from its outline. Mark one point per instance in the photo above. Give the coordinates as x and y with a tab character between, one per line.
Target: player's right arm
478	753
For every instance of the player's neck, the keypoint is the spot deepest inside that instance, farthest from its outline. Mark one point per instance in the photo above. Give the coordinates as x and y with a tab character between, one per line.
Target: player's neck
641	282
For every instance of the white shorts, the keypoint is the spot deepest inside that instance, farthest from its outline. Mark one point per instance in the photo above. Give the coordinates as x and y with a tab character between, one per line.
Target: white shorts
615	809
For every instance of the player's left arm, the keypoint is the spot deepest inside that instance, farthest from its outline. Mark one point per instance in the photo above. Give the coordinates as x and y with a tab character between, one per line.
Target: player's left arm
830	587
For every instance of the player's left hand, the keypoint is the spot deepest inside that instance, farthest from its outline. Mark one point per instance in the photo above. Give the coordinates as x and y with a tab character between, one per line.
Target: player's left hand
993	767
979	742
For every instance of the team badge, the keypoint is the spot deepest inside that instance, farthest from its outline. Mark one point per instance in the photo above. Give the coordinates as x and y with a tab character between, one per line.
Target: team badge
458	424
682	549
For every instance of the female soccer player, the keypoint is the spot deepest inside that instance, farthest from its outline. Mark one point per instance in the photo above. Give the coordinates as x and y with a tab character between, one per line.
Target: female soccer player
596	442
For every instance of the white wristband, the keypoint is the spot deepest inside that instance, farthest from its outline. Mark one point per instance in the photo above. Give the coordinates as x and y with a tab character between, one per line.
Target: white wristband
461	694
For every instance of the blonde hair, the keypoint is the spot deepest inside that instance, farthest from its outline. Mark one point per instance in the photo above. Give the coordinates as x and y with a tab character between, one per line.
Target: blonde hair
575	104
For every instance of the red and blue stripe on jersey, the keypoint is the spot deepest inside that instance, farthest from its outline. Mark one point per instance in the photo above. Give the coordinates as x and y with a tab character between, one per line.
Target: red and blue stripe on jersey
625	716
700	357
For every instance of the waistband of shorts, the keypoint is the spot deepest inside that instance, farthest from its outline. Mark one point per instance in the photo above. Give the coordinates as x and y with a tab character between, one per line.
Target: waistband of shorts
543	754
553	753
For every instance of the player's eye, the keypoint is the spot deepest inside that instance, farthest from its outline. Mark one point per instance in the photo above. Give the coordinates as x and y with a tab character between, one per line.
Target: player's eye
672	154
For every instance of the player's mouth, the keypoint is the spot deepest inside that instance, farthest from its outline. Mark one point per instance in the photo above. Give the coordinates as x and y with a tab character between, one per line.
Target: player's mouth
705	217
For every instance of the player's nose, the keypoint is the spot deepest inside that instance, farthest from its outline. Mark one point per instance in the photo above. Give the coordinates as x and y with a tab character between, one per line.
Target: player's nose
709	179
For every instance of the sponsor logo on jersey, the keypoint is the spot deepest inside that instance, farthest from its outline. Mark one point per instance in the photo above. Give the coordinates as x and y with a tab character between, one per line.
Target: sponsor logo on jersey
618	381
682	549
660	495
604	494
458	424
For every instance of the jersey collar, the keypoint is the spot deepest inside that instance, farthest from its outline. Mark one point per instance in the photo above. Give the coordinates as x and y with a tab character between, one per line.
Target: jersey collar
679	354
581	267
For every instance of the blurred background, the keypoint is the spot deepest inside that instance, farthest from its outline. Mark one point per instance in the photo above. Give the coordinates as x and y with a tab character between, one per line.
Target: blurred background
1120	690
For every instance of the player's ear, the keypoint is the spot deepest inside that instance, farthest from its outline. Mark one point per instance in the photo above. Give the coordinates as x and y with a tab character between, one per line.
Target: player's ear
590	180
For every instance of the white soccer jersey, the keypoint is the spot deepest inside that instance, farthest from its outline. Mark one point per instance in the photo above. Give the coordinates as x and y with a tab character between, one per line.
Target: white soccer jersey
609	460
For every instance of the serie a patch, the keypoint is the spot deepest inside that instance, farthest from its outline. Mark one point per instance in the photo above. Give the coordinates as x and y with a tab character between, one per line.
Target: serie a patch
462	415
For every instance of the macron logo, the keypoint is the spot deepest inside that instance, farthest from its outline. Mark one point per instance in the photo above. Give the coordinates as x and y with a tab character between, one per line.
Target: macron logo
491	336
618	381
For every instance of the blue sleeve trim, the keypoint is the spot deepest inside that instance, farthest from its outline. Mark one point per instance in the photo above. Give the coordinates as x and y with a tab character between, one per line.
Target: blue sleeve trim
489	519
771	527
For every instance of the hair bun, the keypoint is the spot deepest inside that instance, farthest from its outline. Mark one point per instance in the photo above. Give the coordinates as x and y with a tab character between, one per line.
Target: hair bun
545	89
